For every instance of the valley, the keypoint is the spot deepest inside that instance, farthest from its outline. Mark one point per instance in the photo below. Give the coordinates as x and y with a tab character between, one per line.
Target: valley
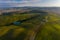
29	25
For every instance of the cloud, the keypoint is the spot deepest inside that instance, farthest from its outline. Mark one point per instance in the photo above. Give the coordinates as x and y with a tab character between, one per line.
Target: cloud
19	3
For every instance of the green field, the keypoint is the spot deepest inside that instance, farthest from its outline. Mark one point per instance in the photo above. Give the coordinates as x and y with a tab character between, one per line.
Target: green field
30	26
51	29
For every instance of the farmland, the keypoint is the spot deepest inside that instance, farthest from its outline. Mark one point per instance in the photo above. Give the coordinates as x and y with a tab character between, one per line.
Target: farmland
32	25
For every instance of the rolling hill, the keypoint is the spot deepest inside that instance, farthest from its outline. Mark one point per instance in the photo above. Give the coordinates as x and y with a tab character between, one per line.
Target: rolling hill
31	25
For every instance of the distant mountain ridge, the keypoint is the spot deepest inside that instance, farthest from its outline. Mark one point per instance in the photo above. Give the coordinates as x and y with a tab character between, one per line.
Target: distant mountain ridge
53	9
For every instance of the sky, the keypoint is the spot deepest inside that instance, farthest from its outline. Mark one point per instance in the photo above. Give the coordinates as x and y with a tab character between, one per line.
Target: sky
34	3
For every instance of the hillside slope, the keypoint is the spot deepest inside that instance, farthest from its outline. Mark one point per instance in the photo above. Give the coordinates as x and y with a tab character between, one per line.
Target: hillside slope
51	29
30	26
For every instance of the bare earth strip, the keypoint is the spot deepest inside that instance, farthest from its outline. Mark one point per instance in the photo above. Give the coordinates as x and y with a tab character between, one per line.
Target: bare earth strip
32	34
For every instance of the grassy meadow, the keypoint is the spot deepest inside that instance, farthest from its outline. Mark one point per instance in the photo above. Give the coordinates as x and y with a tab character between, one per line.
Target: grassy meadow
30	26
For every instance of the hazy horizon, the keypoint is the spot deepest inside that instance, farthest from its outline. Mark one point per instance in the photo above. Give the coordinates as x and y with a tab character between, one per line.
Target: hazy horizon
32	3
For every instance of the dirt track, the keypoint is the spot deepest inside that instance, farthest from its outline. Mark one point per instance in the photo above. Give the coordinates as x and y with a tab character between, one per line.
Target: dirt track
32	34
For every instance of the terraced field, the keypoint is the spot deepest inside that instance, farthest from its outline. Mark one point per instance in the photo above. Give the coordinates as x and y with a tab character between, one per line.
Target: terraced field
30	26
